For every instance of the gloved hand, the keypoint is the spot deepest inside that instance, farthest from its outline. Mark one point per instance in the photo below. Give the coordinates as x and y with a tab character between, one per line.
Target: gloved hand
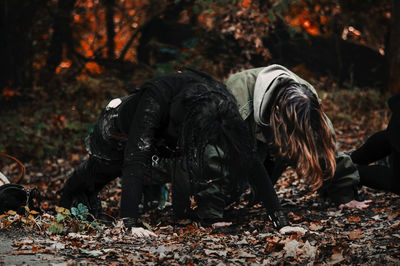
278	219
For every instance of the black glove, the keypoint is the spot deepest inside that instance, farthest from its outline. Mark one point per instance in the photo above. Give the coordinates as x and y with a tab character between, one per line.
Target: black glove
278	219
130	222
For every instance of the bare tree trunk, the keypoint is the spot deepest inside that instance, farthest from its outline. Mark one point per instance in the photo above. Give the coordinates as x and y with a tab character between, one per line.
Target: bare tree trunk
62	34
393	55
17	18
110	5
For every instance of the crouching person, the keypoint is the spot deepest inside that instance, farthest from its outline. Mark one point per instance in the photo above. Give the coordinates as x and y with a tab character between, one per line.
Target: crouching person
286	119
188	117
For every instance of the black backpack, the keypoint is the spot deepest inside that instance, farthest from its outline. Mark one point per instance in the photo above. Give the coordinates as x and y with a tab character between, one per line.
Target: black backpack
16	197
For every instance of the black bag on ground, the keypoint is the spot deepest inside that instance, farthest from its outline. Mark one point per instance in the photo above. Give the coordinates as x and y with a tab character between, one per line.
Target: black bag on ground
15	197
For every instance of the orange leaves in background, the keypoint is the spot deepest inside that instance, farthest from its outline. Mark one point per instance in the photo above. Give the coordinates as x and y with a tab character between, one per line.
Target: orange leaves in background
93	68
89	25
303	18
311	29
8	93
86	47
353	219
59	121
77	18
245	3
63	66
90	68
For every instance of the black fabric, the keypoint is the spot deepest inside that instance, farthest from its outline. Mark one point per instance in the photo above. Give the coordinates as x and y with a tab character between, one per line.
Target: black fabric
379	177
142	120
274	164
378	147
375	148
264	190
278	219
212	195
15	197
343	186
394	123
86	181
12	197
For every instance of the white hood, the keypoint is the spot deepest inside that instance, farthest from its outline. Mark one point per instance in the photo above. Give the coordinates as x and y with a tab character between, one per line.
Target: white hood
266	83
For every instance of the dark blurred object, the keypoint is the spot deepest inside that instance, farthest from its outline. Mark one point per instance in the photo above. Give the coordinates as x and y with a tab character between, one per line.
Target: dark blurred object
16	197
347	61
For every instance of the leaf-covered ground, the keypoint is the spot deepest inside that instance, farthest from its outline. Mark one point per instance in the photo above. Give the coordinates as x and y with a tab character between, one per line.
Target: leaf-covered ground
348	237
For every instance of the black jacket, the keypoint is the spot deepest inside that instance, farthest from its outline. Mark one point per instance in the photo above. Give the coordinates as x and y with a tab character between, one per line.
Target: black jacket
149	124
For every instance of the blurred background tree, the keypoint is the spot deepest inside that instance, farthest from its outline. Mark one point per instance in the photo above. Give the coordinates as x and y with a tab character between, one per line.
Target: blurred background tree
66	58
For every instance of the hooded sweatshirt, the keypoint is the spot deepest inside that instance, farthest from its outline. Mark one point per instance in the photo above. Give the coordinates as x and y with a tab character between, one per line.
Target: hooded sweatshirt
254	90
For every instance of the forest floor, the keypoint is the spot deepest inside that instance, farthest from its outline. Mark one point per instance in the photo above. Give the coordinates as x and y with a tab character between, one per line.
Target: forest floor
331	236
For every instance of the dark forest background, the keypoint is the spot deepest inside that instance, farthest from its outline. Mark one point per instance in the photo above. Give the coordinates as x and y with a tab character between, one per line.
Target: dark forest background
64	59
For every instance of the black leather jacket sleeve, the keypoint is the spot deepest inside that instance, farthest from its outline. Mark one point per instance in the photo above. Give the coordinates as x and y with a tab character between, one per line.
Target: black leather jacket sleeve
266	193
262	184
137	156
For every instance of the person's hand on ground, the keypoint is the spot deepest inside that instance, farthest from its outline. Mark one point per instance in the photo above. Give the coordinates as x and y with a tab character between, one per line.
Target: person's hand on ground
141	232
292	229
221	224
354	204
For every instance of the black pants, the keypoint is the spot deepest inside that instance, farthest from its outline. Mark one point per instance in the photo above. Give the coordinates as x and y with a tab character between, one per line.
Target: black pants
86	182
89	178
378	147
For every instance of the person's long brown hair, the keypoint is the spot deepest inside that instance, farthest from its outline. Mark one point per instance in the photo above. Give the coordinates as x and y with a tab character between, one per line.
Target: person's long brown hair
302	134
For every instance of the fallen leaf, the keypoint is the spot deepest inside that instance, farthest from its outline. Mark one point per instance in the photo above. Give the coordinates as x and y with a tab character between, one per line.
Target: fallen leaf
353	219
93	253
292	229
244	254
315	226
396	225
336	257
376	217
291	248
356	234
221	253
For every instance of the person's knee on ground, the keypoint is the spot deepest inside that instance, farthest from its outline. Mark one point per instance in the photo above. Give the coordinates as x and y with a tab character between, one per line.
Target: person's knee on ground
80	188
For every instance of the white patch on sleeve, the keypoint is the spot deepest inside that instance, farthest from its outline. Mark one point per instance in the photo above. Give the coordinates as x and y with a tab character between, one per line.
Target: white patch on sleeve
114	103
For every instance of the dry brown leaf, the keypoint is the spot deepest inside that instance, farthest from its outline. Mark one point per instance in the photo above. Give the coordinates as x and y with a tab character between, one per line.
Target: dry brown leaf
353	219
315	226
355	234
336	258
